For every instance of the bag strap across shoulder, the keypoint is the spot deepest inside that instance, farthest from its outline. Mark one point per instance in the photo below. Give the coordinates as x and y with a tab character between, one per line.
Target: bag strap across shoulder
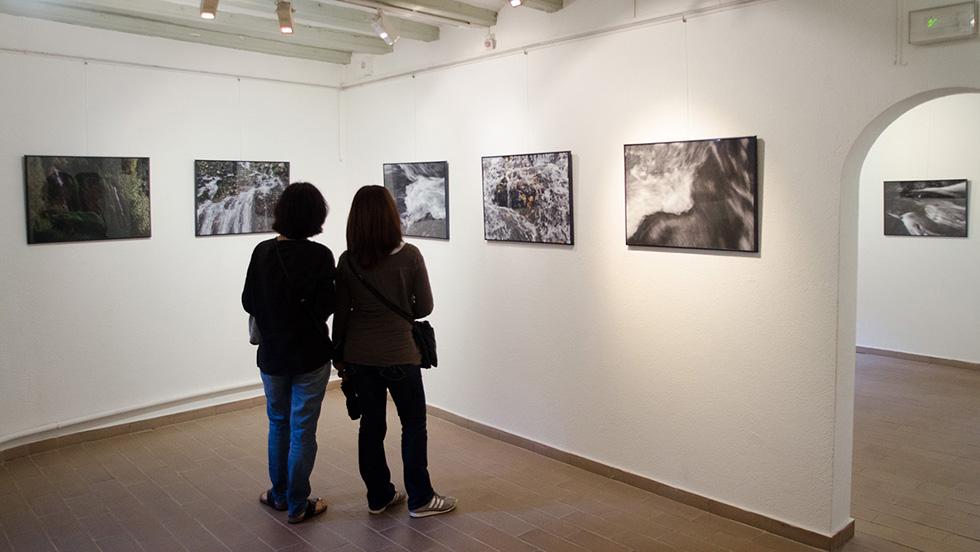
377	293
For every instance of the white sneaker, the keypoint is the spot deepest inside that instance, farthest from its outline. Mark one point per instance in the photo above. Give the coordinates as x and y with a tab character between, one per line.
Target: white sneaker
438	505
400	496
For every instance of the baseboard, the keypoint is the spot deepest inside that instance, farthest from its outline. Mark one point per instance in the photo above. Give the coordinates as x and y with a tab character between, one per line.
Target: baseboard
77	434
727	511
919	358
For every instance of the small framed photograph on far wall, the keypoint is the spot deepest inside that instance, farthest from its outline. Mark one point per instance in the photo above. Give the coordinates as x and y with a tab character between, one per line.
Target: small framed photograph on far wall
237	197
72	199
528	198
926	208
421	191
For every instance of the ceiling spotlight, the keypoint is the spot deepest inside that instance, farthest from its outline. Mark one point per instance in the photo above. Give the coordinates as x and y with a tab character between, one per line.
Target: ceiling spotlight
209	8
516	3
383	27
285	12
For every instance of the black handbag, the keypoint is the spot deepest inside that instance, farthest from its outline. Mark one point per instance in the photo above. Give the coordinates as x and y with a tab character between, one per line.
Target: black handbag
422	331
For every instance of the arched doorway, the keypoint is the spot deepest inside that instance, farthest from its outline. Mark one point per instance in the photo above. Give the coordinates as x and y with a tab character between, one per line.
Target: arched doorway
850	214
850	182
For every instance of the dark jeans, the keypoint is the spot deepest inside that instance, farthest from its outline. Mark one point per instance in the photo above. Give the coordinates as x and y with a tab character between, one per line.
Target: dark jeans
404	382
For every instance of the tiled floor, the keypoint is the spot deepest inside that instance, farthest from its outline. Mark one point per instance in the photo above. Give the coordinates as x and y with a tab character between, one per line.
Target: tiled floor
916	483
195	486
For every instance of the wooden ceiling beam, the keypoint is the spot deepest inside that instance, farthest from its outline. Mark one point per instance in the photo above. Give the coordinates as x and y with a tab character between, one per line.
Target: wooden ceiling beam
150	11
465	14
549	6
41	9
345	18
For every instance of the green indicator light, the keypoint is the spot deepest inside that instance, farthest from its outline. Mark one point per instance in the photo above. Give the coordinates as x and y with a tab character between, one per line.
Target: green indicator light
933	22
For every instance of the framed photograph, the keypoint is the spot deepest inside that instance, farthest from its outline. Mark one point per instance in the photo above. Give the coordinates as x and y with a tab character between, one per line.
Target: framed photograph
926	208
73	199
237	197
528	198
699	194
421	191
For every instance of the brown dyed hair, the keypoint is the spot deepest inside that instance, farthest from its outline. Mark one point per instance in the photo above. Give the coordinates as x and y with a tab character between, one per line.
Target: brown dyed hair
374	228
300	211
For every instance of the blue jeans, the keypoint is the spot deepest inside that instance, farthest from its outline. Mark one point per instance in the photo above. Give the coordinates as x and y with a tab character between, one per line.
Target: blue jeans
372	384
293	405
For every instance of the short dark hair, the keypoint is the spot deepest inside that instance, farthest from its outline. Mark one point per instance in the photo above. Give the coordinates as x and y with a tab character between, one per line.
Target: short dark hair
374	228
300	211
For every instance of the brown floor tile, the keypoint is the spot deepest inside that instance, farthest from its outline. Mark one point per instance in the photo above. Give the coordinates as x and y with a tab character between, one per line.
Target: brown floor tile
32	541
456	540
194	485
548	542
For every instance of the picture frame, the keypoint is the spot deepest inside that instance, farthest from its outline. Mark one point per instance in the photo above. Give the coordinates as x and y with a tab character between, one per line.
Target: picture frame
528	198
85	198
421	192
926	208
693	194
237	197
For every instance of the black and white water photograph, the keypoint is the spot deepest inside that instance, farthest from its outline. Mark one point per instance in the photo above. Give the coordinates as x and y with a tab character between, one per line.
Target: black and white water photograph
73	199
237	197
421	191
528	198
926	208
700	194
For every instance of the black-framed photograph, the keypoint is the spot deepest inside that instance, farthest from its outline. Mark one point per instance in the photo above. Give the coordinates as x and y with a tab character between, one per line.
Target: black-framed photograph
528	198
697	194
237	197
71	199
421	191
926	208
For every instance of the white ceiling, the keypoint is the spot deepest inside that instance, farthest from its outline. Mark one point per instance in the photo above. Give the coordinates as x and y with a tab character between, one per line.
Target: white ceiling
325	30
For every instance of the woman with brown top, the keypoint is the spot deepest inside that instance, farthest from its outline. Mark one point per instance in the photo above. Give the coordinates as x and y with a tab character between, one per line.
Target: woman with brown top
378	354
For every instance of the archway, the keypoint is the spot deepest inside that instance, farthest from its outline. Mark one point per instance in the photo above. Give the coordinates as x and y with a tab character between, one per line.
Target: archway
848	275
850	181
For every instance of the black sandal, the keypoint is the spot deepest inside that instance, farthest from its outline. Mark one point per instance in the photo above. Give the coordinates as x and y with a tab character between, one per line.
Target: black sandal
313	508
266	498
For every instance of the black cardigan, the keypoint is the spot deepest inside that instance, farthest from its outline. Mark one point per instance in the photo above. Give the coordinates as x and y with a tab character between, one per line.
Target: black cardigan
292	341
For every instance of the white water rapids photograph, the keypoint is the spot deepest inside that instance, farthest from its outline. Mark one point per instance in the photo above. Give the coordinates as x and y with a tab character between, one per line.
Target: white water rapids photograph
926	208
237	197
696	194
421	191
528	198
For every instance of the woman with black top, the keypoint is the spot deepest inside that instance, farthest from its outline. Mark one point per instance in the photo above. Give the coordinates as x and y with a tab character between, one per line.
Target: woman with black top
289	288
379	354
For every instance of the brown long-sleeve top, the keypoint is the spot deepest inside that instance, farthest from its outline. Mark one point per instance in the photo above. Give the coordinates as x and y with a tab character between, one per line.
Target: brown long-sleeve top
371	333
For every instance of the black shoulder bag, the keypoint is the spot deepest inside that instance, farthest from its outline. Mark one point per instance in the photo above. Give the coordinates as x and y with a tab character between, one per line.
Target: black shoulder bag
423	332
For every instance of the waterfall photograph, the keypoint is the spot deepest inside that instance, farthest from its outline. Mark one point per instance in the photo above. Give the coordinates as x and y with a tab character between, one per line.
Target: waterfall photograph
926	208
237	197
695	194
86	198
421	191
528	198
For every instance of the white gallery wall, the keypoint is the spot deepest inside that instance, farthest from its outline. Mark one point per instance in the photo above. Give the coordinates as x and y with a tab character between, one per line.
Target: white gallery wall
729	376
919	295
93	331
720	374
